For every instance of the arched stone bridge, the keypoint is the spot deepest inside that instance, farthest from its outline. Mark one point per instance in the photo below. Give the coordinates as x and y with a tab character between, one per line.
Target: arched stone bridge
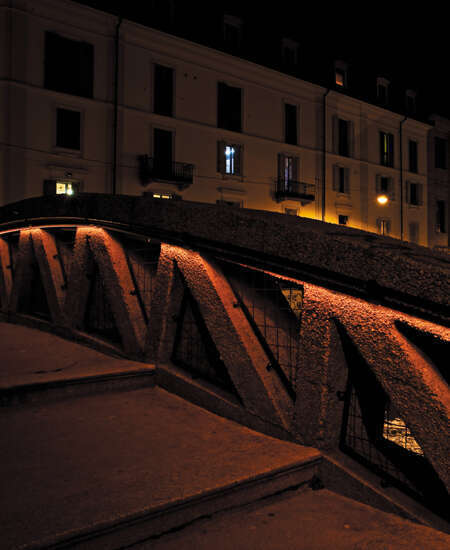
307	331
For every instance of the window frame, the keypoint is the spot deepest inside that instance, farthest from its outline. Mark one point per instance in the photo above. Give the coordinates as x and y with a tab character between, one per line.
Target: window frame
222	161
64	148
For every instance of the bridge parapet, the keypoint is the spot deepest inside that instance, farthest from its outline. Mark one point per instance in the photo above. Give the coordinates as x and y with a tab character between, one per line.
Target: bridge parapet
307	331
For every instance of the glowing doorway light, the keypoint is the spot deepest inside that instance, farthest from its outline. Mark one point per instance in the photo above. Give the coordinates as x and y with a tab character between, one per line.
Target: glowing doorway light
64	188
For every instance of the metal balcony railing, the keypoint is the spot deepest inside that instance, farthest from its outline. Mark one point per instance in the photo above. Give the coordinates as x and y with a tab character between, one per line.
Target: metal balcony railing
290	189
153	169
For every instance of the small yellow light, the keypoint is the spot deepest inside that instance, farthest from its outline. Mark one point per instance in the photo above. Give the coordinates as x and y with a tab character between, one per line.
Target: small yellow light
382	199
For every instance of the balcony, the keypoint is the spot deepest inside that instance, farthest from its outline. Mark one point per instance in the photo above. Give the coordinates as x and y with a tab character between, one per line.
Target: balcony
178	173
294	190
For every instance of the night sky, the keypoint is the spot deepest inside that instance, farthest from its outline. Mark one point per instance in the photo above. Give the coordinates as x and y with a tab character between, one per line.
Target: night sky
409	46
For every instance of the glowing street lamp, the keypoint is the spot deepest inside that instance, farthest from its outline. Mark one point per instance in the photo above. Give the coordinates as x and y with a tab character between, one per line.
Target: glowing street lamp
382	199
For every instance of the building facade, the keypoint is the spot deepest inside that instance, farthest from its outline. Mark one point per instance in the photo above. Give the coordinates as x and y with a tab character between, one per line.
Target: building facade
438	182
93	103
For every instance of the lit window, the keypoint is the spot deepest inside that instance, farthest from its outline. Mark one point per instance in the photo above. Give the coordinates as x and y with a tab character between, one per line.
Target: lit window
384	226
230	157
163	196
61	187
340	77
386	149
396	431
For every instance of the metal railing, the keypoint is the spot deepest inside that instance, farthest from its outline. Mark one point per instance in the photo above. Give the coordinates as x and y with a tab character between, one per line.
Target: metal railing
154	169
290	189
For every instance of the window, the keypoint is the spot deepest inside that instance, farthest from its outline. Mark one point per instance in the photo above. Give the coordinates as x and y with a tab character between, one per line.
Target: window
232	32
162	153
229	107
341	177
343	219
414	232
229	158
410	102
287	171
386	149
290	124
343	132
163	90
61	187
340	74
289	52
440	153
384	226
441	217
382	91
291	211
68	129
69	66
413	156
414	193
385	186
234	204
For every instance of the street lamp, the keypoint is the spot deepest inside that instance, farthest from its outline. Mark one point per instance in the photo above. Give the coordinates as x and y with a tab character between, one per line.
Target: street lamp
382	200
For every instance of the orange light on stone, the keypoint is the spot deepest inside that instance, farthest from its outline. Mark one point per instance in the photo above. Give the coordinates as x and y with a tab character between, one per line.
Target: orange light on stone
382	199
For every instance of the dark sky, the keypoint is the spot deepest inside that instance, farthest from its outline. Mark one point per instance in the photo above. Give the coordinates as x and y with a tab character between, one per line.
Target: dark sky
406	42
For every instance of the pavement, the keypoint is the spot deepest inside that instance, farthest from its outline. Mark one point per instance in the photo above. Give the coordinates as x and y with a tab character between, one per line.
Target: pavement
138	467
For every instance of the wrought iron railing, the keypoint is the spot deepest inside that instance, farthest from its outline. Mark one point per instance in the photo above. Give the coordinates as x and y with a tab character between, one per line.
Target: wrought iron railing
154	169
290	189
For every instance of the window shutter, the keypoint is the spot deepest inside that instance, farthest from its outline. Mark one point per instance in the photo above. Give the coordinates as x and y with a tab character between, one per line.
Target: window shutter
392	189
351	139
221	92
347	181
335	134
382	155
378	184
419	194
238	160
296	169
335	177
221	157
280	167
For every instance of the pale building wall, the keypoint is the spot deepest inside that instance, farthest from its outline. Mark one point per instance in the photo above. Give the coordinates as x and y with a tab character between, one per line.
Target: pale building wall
33	157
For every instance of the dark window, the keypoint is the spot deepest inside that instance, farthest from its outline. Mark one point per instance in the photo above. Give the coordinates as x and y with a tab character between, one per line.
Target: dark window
410	104
413	156
384	184
69	65
229	158
290	124
163	102
344	138
232	33
414	232
68	129
440	217
382	94
162	153
341	179
343	220
440	149
386	149
229	107
415	194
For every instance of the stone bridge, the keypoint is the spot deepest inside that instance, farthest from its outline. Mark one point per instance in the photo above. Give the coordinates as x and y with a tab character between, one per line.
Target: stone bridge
306	331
